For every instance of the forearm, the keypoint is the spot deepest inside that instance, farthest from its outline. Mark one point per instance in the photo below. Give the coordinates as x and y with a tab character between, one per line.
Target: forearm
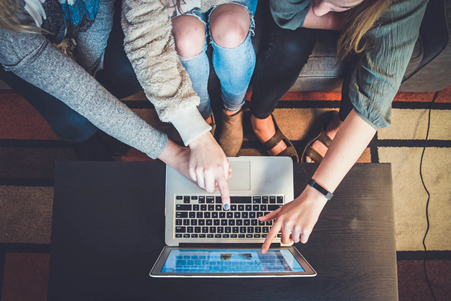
150	47
348	145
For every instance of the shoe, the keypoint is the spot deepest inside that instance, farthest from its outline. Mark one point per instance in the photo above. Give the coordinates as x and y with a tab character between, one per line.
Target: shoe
322	137
231	133
290	151
115	147
91	150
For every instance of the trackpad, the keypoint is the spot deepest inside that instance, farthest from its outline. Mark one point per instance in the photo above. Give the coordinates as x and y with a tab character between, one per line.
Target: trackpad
241	176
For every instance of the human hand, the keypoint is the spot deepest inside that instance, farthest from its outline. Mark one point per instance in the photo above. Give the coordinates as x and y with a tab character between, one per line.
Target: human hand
209	166
296	219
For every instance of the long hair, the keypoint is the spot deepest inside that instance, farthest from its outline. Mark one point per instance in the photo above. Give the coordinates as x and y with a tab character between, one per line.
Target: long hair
8	19
359	20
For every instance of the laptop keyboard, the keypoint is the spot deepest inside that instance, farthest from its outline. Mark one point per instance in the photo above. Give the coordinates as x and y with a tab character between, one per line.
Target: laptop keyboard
204	217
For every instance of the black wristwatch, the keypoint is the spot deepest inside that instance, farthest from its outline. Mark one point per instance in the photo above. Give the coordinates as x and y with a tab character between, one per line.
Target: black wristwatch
321	189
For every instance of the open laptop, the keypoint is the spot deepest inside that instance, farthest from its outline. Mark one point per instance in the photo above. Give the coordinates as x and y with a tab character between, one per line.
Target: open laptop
204	240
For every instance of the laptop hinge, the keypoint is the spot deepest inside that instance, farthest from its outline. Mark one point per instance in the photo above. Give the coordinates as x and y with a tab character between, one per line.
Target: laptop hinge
226	246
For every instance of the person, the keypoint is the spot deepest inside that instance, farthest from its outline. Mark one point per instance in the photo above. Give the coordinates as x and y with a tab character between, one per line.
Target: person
377	37
226	25
27	32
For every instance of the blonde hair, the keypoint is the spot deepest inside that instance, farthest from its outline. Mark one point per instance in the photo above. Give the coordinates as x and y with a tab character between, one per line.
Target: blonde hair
8	19
359	20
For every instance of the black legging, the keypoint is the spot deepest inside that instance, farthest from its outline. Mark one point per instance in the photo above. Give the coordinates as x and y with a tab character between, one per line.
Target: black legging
281	57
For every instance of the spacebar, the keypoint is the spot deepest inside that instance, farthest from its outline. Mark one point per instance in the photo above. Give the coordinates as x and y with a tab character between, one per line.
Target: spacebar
240	199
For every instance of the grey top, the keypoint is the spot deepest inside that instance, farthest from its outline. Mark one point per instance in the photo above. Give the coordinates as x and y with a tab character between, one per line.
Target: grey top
33	58
379	72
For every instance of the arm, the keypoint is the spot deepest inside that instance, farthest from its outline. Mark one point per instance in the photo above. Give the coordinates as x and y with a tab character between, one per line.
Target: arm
374	84
300	216
34	59
150	47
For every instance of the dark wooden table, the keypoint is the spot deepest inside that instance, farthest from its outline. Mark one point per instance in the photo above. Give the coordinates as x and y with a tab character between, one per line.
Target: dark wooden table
108	230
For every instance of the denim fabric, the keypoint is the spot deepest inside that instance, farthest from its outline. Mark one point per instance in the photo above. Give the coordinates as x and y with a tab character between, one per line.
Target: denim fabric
234	66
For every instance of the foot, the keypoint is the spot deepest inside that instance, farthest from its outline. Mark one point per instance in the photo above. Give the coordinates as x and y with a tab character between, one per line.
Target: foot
264	129
231	132
331	131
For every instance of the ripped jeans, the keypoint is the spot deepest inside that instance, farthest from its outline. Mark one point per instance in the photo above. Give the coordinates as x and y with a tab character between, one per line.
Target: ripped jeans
233	66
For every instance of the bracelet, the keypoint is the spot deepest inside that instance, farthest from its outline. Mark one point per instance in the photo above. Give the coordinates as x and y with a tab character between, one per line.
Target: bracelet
321	189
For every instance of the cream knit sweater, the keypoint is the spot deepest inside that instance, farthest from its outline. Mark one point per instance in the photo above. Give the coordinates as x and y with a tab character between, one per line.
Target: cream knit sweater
150	47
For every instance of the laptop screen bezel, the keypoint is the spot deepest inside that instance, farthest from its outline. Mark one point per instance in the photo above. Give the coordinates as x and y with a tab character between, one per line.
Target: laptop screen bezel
159	264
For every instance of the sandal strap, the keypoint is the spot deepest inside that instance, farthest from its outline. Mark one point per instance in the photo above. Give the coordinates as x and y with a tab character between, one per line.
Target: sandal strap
274	140
290	151
313	154
324	139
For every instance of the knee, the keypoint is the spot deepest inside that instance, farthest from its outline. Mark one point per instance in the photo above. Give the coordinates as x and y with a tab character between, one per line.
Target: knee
189	36
74	129
229	25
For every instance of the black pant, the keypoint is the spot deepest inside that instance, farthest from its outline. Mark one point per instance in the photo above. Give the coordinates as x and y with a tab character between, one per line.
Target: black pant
281	57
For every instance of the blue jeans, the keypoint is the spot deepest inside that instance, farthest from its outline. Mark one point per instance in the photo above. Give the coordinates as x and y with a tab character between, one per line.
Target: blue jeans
233	66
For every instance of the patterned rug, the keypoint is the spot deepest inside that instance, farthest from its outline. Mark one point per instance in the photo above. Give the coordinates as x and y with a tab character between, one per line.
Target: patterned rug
29	149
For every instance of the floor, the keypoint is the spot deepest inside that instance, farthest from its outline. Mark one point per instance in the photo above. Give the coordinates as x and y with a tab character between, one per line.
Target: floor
28	150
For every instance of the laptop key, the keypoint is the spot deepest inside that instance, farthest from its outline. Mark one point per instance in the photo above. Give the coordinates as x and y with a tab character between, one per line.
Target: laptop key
192	214
194	222
197	229
249	236
212	229
235	229
201	200
179	197
242	229
218	235
245	214
263	207
241	235
256	207
210	200
202	235
251	214
239	222
279	200
178	235
265	200
186	235
211	207
237	215
223	222
186	222
186	199
214	215
231	222
193	235
258	229
233	236
233	207
225	235
181	214
209	222
207	214
196	207
200	215
201	222
189	229
264	235
247	222
254	222
240	207
229	214
218	207
204	229
272	199
256	235
203	207
178	222
210	235
222	214
220	229
227	229
257	200
265	229
179	207
216	222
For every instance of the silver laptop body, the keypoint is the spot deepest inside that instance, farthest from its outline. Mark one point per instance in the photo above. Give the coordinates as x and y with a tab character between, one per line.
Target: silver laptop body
251	176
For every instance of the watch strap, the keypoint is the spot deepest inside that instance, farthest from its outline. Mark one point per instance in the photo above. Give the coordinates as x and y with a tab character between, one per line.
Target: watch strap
321	189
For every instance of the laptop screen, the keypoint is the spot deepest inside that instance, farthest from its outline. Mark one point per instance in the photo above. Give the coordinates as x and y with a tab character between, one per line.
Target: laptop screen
230	261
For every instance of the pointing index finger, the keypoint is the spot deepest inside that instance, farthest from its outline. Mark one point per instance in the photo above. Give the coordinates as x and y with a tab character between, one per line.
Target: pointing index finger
271	235
224	191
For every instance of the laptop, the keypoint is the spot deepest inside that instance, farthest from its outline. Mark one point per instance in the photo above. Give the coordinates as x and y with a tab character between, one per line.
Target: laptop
204	240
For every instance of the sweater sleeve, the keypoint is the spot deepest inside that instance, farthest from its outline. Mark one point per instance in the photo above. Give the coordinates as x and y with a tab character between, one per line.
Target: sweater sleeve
289	14
379	72
34	59
150	47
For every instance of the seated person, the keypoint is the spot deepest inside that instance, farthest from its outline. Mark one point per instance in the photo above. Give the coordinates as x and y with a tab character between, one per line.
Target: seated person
29	29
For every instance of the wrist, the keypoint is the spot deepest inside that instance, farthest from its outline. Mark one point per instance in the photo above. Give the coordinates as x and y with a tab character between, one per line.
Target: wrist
322	190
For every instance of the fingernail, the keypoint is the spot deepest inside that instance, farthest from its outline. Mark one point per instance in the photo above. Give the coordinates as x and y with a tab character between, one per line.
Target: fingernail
309	160
226	207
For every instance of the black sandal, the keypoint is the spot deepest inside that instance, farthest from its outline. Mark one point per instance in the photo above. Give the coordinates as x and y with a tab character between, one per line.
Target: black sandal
321	137
290	151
